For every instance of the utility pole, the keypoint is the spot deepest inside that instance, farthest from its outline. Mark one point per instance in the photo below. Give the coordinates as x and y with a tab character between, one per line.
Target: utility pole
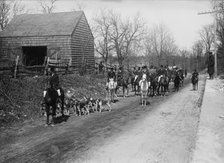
215	52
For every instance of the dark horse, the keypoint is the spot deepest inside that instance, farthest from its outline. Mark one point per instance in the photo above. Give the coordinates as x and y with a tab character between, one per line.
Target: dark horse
177	81
53	99
163	83
136	84
123	81
153	85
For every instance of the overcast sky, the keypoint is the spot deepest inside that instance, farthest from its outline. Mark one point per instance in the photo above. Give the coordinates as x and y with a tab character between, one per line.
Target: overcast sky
180	16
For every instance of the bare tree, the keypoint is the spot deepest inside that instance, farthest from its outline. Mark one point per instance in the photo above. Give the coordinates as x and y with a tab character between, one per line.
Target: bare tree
47	6
134	36
8	10
79	5
218	6
4	13
197	49
160	43
124	34
18	8
207	35
101	30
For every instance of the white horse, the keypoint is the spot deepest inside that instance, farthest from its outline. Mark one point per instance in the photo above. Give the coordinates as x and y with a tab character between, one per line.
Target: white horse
111	85
144	86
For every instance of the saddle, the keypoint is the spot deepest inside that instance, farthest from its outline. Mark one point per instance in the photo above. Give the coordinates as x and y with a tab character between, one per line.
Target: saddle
46	90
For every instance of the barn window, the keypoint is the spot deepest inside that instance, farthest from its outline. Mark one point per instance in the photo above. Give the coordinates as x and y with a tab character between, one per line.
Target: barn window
34	55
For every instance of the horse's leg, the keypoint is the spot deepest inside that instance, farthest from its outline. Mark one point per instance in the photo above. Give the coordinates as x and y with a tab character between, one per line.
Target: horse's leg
162	90
154	90
168	86
111	95
158	88
48	113
127	90
146	99
139	90
123	88
53	112
148	91
142	98
62	104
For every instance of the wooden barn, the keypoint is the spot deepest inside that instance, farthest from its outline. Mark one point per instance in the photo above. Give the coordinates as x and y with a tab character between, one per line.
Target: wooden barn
59	36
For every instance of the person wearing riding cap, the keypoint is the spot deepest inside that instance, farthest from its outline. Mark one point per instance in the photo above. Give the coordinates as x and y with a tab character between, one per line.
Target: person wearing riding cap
134	71
54	79
144	71
195	73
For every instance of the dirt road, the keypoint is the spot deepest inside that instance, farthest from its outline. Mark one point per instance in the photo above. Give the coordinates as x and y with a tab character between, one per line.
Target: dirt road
164	131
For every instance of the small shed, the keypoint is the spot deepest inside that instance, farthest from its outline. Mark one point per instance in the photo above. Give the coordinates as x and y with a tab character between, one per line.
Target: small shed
61	36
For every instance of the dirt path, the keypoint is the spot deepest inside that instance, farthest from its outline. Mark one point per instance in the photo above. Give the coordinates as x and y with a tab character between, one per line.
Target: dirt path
164	131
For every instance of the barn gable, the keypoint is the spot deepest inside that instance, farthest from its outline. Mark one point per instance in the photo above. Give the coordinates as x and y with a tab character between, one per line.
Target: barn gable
56	24
82	45
47	35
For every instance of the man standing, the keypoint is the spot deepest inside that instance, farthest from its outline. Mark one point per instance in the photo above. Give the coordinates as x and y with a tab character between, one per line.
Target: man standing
211	65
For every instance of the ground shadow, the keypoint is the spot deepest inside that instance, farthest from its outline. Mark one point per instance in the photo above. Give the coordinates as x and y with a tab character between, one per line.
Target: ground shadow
61	119
147	103
116	100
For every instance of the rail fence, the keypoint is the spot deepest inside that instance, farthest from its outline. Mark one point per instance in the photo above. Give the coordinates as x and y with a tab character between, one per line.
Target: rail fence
63	66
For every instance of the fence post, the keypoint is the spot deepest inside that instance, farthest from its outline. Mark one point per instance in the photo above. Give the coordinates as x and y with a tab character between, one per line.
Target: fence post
17	61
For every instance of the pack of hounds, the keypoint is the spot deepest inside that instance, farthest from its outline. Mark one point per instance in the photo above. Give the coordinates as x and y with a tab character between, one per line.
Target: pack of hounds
79	107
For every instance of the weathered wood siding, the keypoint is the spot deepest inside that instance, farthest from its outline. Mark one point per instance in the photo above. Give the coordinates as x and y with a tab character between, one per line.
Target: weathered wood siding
82	45
10	47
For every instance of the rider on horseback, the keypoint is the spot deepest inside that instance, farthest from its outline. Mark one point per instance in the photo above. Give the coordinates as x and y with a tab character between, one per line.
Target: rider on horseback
59	94
50	96
194	78
54	79
111	74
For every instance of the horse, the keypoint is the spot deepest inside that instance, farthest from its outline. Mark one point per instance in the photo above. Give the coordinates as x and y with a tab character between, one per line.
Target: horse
111	86
181	75
194	81
144	86
153	85
123	81
162	85
176	82
133	83
136	84
53	99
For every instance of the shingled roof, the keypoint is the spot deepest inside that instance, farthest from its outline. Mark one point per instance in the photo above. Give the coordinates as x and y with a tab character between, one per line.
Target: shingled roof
62	23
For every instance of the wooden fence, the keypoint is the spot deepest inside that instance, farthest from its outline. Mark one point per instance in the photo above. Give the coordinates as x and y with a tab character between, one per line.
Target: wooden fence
12	68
